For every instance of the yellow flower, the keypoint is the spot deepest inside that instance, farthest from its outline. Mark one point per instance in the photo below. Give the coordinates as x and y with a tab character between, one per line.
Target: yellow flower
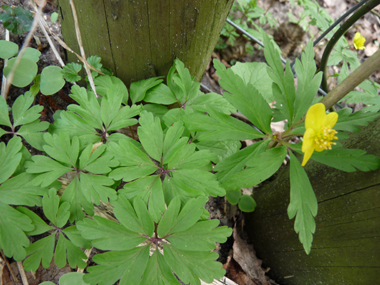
319	133
359	41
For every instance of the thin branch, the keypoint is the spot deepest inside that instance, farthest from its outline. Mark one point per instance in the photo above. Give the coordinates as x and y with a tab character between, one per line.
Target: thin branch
80	43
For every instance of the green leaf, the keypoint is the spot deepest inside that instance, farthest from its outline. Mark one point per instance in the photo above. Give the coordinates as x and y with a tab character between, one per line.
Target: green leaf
104	82
4	117
258	170
158	272
247	204
32	54
17	20
54	17
149	188
129	265
138	89
33	133
65	249
10	158
195	182
85	191
109	235
151	135
25	71
8	49
255	73
21	111
51	80
283	86
41	250
233	196
201	102
245	97
12	236
199	237
70	72
19	190
236	162
50	203
308	82
220	127
175	221
40	226
349	121
160	94
134	163
223	149
348	159
303	203
189	266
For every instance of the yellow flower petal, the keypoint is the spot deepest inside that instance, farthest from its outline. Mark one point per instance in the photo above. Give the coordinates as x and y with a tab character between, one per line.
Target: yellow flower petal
359	41
331	119
306	157
315	117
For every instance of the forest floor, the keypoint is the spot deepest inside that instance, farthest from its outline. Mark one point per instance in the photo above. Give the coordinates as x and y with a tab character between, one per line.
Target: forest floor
236	254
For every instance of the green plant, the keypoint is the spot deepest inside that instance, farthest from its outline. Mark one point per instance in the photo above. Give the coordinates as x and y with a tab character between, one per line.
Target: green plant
50	80
18	20
251	18
157	180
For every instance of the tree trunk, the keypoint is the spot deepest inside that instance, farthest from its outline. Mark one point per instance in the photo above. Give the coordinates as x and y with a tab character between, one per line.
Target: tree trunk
346	247
141	38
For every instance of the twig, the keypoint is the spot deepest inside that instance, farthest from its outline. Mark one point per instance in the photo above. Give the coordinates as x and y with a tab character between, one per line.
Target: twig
9	267
80	43
42	24
22	51
22	273
5	64
88	253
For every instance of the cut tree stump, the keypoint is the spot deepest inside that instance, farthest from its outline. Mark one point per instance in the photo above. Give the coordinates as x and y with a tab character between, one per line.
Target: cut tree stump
141	39
346	246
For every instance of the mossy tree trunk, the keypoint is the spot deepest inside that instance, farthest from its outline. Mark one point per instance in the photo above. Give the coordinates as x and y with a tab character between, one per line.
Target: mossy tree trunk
139	39
346	246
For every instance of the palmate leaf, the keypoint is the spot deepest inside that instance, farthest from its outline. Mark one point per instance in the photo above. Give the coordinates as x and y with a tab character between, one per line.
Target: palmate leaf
12	237
308	81
258	170
10	157
139	89
347	159
93	120
283	86
20	190
303	203
85	189
27	116
43	249
70	72
222	149
220	126
349	121
184	91
245	97
236	162
130	262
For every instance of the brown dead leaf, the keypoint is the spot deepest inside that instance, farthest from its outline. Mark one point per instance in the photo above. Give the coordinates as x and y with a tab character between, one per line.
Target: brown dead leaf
245	256
53	273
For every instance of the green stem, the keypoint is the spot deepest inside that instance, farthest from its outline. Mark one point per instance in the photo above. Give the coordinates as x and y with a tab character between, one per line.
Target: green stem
340	32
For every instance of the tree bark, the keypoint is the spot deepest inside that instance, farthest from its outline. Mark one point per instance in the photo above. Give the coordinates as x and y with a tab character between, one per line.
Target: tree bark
346	247
139	39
